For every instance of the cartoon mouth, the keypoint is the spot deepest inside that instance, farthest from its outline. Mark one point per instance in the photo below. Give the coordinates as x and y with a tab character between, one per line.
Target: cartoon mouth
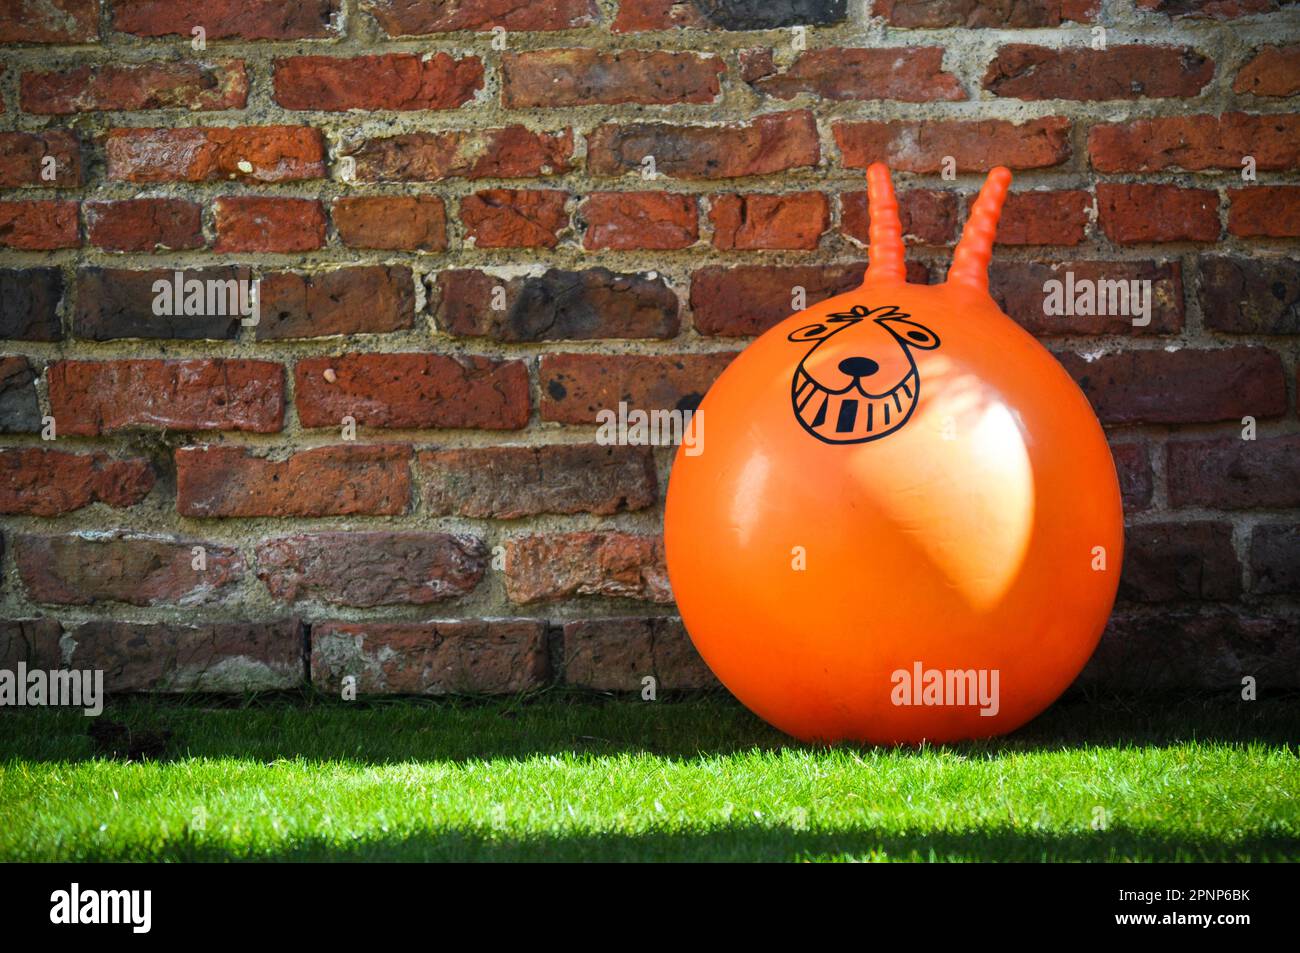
853	416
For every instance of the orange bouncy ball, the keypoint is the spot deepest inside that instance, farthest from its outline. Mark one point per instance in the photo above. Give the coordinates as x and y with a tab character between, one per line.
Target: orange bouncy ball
904	523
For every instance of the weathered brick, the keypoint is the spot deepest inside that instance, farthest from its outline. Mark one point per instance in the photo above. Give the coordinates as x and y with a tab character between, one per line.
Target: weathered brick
404	18
208	86
498	657
94	397
1167	562
730	15
544	568
1025	71
1229	473
975	145
1196	143
622	221
749	299
513	482
1275	559
413	390
1136	479
29	304
555	306
399	81
587	77
252	223
758	220
514	218
49	21
228	19
1211	9
174	657
509	152
214	481
371	568
977	13
144	225
39	225
1020	289
576	387
209	154
928	216
614	655
1264	211
775	142
1272	71
34	642
87	569
406	222
39	482
120	303
365	299
1044	218
1250	295
23	158
19	410
1184	386
913	74
1136	213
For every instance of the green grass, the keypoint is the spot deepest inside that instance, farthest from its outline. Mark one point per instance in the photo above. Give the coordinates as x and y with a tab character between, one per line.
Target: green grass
559	778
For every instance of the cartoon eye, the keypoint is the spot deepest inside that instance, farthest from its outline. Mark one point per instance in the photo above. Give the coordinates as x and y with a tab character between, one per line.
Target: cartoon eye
812	332
913	334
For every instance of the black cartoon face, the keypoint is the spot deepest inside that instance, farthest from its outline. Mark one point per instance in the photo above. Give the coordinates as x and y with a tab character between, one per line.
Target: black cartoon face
864	385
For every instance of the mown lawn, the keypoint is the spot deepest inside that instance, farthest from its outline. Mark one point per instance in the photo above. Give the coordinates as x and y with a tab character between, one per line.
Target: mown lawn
562	778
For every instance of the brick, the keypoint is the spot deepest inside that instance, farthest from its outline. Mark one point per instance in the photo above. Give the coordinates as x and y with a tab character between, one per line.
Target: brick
733	15
577	387
209	154
1275	559
399	81
928	216
1184	386
403	18
88	569
624	221
1196	143
756	220
775	142
19	411
1272	71
29	304
406	222
544	568
228	19
1044	218
1136	480
371	568
217	481
1229	473
253	223
513	482
767	294
498	657
1212	9
39	225
1021	290
514	218
39	482
1264	211
49	21
555	306
144	225
614	655
88	398
173	657
112	86
587	77
413	390
975	13
1250	295
912	74
34	642
365	299
975	145
508	152
23	159
1137	213
1028	72
1170	562
117	303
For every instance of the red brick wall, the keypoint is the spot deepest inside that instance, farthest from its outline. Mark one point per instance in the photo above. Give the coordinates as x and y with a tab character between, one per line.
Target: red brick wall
386	168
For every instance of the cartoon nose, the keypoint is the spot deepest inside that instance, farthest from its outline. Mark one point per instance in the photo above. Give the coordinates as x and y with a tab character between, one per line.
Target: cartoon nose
859	366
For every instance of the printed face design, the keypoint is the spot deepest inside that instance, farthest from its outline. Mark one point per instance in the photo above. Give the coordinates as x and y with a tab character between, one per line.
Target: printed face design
859	381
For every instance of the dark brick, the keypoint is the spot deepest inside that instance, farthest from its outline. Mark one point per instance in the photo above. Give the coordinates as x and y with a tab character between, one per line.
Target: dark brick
614	655
29	304
1018	288
577	387
1166	562
1275	559
366	299
1250	295
119	303
1234	474
19	410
